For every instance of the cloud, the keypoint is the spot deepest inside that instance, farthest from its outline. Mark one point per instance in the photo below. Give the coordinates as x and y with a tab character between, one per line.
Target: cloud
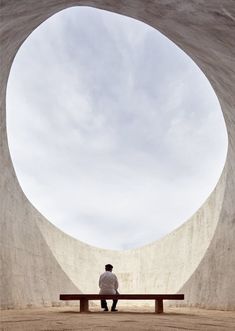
116	135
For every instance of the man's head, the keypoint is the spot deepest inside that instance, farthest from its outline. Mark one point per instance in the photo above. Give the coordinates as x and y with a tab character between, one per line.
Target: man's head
108	267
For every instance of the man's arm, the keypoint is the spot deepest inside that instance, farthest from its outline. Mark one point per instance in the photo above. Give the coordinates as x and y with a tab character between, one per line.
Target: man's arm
100	282
116	283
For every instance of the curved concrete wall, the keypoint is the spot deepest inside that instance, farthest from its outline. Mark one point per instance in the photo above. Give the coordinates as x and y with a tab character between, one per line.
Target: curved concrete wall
38	261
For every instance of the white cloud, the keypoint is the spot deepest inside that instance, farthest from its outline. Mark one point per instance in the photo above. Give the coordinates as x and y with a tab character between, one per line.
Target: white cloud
114	132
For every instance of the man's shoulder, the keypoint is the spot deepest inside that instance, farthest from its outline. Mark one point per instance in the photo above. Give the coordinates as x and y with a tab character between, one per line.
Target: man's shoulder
104	273
108	274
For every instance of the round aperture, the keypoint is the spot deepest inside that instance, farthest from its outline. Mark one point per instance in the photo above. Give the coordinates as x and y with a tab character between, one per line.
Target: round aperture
115	134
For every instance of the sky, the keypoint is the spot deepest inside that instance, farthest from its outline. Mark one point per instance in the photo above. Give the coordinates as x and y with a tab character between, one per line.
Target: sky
115	134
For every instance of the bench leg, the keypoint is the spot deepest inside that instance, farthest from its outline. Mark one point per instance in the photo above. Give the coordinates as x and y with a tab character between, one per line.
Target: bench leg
159	306
84	306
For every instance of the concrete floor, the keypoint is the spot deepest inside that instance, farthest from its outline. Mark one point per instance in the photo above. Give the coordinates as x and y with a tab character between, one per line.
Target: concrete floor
67	318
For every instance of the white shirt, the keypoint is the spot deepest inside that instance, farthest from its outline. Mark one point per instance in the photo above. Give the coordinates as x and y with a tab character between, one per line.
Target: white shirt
108	283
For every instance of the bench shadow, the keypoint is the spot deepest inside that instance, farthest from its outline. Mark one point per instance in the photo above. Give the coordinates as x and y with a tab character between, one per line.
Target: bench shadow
124	313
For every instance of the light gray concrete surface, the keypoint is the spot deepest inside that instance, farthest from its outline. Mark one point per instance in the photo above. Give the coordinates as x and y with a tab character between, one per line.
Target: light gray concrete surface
38	261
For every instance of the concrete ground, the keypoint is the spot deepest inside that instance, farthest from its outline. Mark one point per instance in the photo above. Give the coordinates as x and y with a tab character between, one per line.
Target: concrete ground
68	319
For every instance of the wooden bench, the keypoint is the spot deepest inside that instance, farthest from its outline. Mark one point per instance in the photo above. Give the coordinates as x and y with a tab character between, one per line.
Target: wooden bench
84	299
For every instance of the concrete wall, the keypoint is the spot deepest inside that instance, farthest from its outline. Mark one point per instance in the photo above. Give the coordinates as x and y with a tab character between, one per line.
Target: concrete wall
38	261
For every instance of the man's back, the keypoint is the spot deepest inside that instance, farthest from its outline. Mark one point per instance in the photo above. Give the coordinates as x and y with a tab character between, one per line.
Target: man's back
108	283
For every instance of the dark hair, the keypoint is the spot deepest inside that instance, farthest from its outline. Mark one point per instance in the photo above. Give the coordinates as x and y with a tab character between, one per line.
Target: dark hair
108	267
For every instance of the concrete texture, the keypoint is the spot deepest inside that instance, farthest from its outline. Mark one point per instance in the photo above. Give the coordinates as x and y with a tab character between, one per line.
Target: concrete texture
137	319
38	261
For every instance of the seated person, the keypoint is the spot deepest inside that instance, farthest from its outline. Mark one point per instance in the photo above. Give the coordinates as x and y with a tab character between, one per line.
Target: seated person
108	284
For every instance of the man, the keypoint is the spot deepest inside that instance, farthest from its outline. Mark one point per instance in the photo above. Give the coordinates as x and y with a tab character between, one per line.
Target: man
108	284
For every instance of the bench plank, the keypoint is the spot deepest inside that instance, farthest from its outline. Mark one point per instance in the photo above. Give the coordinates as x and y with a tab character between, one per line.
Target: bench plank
122	296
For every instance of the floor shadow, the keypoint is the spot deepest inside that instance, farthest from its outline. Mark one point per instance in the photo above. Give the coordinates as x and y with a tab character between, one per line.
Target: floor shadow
125	313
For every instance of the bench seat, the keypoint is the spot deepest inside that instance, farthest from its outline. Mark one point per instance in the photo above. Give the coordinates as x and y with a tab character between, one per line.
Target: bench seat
84	299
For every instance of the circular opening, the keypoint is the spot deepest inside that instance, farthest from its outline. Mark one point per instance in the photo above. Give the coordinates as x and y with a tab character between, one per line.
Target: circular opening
115	134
